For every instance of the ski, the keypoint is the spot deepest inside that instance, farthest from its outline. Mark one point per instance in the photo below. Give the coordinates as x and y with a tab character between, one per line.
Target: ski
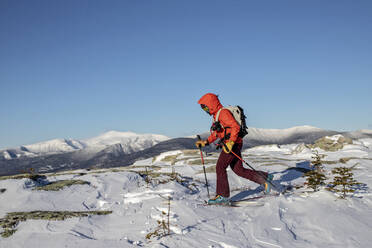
252	201
235	204
226	204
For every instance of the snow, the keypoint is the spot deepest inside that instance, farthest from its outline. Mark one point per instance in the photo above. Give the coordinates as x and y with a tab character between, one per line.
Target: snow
7	155
334	138
298	219
359	134
136	141
367	131
131	142
268	148
166	154
278	134
146	195
366	142
54	146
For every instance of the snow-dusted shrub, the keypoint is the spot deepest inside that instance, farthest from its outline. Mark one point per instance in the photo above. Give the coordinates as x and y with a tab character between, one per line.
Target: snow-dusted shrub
163	228
343	181
316	177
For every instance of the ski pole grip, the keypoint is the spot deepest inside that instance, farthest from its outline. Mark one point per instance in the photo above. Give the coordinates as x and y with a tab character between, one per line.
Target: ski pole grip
198	136
227	149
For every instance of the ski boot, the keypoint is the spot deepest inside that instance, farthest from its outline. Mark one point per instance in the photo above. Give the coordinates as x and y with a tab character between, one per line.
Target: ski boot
219	200
267	185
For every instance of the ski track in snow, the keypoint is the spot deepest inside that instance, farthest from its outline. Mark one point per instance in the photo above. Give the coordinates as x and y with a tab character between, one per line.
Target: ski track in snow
267	243
147	195
222	244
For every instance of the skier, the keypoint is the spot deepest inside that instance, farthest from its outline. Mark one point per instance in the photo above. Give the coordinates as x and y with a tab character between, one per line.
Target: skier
227	129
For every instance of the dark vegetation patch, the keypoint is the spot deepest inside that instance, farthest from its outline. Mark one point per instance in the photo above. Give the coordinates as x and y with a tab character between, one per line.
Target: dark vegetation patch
11	220
58	185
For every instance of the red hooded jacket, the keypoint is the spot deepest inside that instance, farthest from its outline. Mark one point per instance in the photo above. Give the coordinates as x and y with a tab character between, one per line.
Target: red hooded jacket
226	119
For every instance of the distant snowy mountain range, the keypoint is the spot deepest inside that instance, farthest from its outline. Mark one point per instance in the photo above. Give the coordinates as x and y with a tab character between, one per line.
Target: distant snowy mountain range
298	134
129	141
114	148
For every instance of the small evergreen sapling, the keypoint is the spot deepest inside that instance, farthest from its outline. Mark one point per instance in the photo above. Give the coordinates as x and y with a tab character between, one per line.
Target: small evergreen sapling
343	181
315	178
147	178
317	159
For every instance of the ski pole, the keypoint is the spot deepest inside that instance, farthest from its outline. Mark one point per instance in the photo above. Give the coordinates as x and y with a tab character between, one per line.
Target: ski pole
205	174
259	172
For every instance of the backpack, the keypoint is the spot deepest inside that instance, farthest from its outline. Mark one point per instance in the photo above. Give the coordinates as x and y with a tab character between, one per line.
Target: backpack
239	116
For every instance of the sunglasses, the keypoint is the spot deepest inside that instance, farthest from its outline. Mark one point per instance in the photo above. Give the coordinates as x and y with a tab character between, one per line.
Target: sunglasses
204	107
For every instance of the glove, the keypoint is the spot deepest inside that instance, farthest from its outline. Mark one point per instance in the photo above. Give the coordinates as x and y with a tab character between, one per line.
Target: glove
228	146
201	143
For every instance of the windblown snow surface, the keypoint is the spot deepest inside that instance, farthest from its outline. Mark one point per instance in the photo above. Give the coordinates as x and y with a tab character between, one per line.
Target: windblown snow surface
298	218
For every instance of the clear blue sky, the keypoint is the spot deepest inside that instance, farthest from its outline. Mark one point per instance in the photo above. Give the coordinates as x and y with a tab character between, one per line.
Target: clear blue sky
75	69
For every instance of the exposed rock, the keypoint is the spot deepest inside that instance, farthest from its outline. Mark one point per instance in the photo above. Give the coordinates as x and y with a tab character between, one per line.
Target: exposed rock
299	148
331	143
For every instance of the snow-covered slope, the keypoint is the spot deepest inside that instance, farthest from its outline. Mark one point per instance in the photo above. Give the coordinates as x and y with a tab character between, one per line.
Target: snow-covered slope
364	133
54	146
279	135
298	134
130	142
300	218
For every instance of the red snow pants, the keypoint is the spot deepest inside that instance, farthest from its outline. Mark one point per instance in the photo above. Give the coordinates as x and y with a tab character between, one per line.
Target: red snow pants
236	165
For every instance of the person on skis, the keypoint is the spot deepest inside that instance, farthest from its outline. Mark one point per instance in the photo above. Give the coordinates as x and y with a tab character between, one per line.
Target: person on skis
227	129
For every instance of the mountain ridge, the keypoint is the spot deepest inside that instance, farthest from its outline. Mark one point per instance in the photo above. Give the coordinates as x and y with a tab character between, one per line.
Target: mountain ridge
116	155
131	142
